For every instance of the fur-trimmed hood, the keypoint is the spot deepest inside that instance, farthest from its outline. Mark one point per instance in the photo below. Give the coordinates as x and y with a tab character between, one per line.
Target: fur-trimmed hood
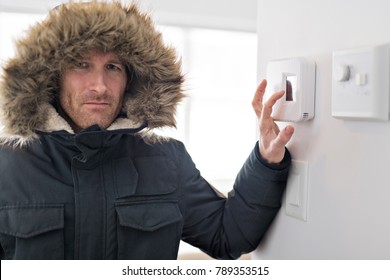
29	84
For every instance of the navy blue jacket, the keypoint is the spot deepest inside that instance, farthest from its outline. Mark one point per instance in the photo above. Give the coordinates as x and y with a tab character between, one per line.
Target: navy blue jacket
109	195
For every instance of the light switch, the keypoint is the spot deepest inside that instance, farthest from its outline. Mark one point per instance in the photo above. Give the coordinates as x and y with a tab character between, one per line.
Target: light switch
360	83
297	190
361	79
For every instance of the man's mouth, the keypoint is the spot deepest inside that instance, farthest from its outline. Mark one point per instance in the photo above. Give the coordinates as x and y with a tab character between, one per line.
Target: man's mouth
96	104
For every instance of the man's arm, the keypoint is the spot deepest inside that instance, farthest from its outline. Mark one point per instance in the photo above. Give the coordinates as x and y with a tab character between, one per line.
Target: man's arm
226	228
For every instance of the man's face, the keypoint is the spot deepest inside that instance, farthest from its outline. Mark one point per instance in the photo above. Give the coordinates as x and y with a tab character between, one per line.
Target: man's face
92	90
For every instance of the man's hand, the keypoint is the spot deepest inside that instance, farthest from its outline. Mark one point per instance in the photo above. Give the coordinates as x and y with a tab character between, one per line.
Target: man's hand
272	141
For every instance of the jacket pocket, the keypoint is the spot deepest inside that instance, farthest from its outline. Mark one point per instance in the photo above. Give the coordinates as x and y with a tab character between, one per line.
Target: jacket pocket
145	176
32	231
149	230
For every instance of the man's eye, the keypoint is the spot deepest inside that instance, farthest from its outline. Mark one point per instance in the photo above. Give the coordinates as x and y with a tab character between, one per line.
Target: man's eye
115	67
82	65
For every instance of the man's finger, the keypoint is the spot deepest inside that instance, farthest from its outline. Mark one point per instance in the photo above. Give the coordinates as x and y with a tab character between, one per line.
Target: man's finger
267	108
257	102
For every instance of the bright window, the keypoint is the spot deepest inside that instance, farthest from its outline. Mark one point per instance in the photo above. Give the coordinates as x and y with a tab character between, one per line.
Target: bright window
12	26
216	121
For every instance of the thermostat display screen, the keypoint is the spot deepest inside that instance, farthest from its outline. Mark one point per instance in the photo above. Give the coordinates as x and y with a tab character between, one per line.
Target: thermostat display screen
291	87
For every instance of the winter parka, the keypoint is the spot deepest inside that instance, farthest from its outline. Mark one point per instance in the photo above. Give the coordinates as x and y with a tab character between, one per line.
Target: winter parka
120	192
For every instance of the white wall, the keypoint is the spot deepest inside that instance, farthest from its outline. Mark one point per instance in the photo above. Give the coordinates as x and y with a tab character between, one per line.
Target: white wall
349	182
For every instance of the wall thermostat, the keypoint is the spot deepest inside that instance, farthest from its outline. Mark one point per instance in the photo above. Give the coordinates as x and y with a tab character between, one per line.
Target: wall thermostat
296	76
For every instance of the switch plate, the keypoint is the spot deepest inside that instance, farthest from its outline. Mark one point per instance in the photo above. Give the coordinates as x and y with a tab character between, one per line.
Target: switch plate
297	77
297	190
360	83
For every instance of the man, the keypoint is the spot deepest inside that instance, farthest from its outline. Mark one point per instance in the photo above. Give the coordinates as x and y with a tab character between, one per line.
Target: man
82	174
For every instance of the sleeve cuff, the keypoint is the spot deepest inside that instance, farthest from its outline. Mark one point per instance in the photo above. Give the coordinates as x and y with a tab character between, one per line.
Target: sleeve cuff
285	163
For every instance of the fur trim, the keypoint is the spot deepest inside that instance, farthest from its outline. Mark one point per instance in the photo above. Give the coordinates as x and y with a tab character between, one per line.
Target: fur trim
30	80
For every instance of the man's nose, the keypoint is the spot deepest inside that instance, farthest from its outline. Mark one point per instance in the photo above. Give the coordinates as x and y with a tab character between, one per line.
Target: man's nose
98	82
